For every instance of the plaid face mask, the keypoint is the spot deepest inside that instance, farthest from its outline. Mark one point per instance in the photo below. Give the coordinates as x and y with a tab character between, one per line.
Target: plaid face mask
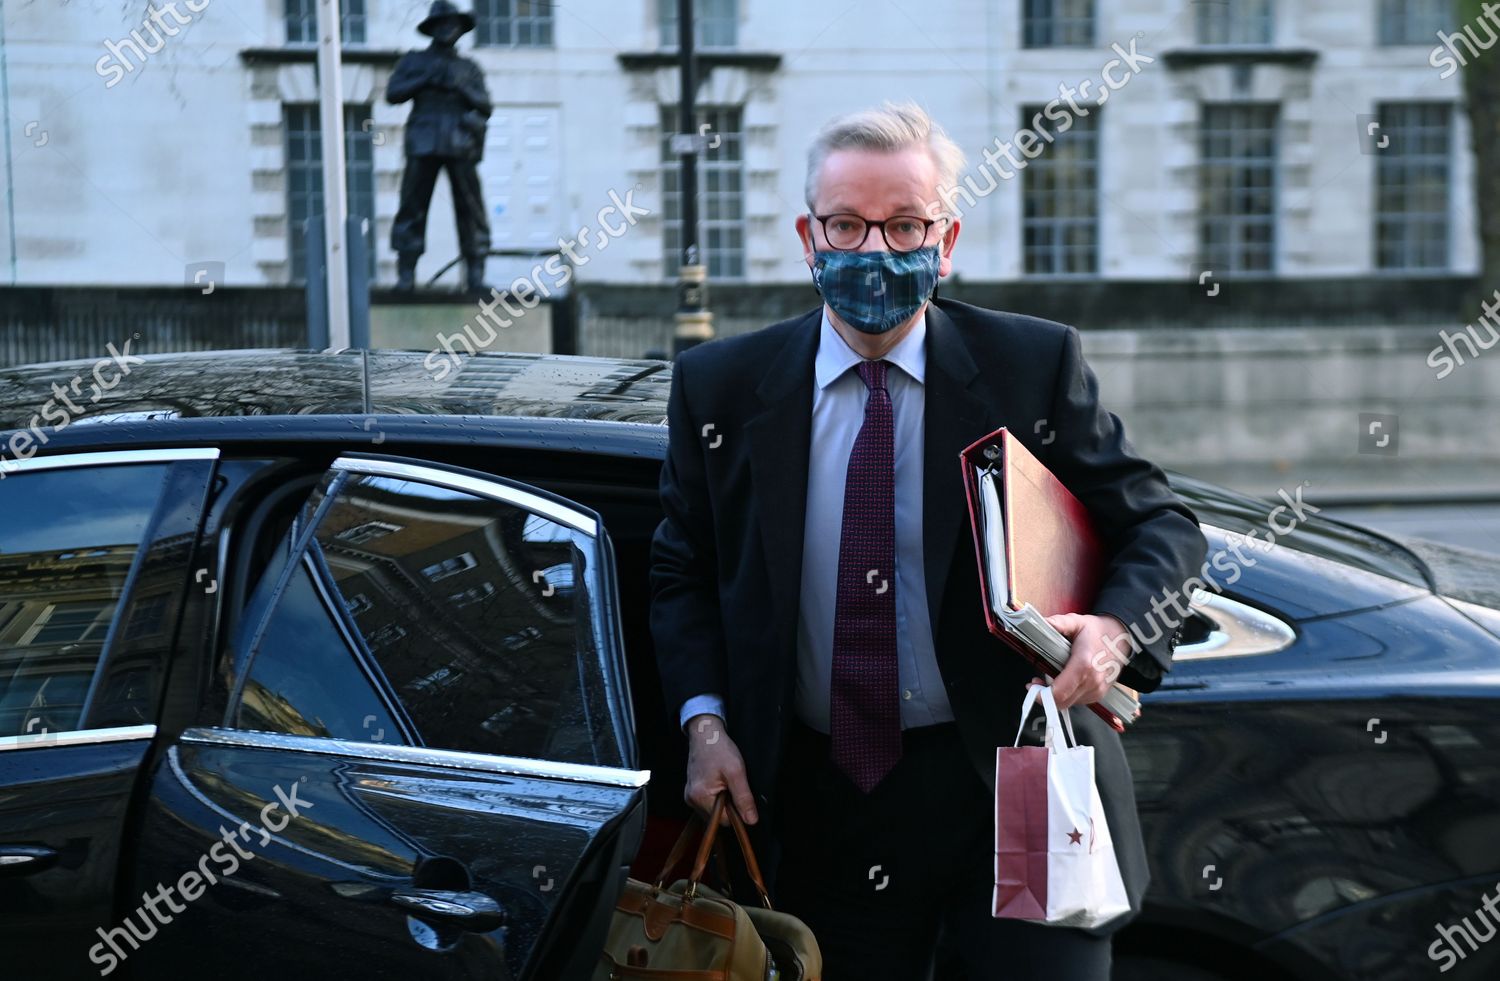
875	292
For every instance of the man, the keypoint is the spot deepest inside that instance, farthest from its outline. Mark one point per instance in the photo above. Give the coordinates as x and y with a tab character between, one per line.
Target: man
816	609
445	131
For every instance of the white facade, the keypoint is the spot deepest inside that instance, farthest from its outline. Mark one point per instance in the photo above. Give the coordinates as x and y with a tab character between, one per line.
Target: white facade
184	160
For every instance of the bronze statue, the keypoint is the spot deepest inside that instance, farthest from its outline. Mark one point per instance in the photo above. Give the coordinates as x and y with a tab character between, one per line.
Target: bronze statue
450	112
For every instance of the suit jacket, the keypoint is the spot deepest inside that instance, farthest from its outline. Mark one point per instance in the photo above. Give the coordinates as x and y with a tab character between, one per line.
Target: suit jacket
451	108
727	557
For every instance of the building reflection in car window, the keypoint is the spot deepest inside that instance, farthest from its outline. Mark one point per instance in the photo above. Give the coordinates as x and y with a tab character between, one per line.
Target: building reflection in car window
473	612
67	545
304	679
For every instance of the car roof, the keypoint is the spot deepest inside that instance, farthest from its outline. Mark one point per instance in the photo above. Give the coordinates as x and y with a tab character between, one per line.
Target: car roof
351	382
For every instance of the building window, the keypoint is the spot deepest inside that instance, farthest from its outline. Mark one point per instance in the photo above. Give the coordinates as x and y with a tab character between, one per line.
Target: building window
302	22
1412	185
1414	21
450	566
147	618
367	532
721	194
1057	23
475	594
513	23
73	623
304	175
1235	21
716	23
1060	200
1237	188
385	636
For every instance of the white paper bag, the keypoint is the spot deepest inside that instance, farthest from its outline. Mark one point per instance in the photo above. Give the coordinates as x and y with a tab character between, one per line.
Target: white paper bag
1054	859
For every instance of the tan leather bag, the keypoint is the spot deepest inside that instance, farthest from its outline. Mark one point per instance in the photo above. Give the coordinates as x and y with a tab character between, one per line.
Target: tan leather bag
693	933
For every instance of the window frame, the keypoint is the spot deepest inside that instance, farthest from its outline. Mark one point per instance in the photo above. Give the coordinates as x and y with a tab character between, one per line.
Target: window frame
37	629
1042	23
1238	163
489	21
1410	221
724	264
1236	21
116	635
1398	24
728	22
516	766
353	24
1089	124
602	610
359	177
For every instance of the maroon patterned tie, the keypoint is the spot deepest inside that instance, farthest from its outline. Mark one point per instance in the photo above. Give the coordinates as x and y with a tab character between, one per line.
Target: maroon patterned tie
865	706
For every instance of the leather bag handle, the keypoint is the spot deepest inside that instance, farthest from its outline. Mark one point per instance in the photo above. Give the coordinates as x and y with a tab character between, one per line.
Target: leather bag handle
679	851
751	865
705	846
721	803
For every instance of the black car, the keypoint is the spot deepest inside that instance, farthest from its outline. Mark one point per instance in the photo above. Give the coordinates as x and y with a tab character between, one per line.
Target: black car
313	665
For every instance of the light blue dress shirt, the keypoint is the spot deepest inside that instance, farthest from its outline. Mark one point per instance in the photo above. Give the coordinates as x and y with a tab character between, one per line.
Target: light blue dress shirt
838	412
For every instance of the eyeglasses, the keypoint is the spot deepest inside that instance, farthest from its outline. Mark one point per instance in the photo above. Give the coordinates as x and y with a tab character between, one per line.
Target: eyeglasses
902	233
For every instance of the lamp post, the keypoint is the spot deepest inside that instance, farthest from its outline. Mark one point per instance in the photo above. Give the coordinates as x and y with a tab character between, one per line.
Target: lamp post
695	323
335	196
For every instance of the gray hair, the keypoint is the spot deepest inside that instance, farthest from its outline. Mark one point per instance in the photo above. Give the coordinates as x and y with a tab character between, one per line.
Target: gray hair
888	129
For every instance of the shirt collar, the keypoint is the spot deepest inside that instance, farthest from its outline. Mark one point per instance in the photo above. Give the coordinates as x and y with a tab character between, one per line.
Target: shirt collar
835	356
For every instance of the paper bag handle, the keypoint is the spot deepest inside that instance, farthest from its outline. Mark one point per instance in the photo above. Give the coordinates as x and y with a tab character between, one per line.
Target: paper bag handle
1056	721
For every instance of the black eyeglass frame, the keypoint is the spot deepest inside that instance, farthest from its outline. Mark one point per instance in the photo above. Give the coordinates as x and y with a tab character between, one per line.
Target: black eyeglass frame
927	224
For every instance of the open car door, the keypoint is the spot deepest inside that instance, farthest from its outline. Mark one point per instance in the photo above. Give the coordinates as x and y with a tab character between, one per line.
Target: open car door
426	765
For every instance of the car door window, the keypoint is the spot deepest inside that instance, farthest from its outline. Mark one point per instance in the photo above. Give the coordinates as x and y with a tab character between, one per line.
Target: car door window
68	545
441	615
306	680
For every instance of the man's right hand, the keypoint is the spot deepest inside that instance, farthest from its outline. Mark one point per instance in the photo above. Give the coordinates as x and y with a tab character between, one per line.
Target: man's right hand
714	764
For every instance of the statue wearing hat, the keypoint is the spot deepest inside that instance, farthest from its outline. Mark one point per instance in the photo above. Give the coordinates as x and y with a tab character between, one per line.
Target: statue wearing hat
445	131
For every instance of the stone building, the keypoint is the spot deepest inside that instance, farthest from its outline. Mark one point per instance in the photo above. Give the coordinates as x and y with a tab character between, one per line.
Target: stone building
1255	137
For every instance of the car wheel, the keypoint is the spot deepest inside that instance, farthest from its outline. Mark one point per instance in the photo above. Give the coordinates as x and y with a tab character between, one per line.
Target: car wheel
1156	969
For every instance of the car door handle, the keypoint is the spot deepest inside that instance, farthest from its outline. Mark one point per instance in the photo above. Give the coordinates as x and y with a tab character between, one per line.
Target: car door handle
25	859
1234	629
472	911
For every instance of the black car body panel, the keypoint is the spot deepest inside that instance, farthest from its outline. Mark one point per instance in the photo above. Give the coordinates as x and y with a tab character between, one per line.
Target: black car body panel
1306	797
372	830
68	804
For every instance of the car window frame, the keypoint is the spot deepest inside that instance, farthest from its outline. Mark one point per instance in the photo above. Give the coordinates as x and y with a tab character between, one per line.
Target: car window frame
85	734
322	576
603	611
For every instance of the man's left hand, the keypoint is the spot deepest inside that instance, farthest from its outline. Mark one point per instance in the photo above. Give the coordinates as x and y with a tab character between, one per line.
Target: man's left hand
1093	664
